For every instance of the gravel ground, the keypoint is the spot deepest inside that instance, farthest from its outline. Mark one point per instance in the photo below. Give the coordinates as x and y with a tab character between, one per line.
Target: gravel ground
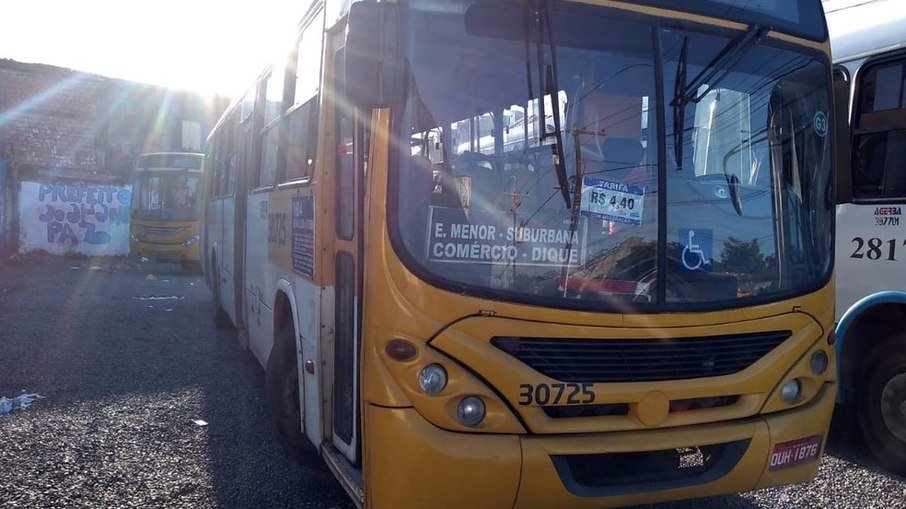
846	479
124	377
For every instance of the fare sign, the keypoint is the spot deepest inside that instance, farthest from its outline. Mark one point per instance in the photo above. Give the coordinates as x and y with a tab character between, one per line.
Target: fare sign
788	454
612	201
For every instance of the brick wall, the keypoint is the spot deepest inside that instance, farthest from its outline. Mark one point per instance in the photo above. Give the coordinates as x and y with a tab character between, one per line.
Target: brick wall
61	124
71	128
50	121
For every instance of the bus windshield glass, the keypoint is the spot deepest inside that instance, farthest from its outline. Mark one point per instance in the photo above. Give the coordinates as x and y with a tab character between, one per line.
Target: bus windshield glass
166	196
798	17
507	102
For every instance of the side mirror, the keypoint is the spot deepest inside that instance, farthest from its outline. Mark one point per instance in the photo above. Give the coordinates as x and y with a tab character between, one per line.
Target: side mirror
843	133
373	58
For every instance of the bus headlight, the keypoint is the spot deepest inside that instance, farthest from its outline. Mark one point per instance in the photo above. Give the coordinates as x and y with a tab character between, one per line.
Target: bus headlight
432	379
470	411
191	240
790	391
442	391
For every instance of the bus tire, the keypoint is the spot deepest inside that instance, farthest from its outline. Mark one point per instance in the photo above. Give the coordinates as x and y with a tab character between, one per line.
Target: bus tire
882	404
221	318
283	401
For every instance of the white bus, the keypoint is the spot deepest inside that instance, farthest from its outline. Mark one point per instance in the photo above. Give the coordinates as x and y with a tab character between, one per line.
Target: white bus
868	41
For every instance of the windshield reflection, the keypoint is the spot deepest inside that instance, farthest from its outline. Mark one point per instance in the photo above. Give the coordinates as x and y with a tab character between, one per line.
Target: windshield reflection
166	196
482	194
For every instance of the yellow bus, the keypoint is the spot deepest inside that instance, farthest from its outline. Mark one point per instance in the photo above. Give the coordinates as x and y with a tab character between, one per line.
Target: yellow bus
537	254
165	210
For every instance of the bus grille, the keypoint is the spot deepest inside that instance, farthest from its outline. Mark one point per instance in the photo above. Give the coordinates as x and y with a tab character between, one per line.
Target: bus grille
162	231
625	473
641	360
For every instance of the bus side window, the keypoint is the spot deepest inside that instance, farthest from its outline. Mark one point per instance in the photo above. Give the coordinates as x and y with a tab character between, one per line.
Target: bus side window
210	163
345	165
272	110
273	88
302	141
231	156
247	154
879	141
219	166
302	117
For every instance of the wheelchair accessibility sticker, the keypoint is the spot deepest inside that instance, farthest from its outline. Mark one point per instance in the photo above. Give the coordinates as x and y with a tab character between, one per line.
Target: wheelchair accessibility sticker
696	254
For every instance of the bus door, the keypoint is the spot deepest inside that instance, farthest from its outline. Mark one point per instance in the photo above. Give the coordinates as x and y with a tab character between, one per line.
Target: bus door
348	187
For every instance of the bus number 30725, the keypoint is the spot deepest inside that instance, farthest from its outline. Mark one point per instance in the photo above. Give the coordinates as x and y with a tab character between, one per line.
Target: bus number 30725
556	394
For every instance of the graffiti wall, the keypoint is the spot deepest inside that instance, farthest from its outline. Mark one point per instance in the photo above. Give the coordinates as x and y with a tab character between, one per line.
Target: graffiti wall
62	218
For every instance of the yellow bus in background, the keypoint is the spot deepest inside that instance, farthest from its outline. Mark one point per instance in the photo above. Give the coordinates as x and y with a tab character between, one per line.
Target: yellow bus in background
166	209
539	253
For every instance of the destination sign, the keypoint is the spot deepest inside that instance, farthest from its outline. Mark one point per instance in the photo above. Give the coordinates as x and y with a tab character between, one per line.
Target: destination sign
489	237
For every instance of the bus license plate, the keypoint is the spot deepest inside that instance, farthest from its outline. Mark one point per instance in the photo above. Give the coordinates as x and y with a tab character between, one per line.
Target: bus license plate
788	454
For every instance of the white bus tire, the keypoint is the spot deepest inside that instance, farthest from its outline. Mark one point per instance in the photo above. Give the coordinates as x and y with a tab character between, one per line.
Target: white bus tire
883	423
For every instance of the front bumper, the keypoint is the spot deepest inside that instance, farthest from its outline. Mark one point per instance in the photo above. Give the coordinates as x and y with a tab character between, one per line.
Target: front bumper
411	463
165	252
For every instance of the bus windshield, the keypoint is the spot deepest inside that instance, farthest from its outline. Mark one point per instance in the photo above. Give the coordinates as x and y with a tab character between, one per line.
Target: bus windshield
166	196
504	99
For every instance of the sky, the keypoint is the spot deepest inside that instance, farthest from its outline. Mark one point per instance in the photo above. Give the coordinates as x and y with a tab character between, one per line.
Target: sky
205	46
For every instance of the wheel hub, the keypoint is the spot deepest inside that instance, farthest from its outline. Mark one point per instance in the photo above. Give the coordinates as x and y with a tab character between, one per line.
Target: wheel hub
893	406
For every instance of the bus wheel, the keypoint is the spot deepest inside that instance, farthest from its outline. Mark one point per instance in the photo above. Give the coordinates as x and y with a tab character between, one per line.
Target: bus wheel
283	401
221	318
882	404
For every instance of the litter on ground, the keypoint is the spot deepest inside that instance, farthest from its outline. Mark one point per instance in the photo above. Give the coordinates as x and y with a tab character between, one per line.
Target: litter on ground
20	402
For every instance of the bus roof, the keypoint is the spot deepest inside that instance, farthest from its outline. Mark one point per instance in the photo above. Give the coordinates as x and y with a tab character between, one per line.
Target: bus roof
861	28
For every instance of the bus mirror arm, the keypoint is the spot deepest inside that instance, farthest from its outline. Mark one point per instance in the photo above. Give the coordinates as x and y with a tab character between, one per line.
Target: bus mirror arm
373	60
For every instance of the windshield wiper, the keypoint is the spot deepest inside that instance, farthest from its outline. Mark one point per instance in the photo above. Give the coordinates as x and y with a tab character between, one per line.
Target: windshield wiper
679	106
720	66
711	76
549	77
559	159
